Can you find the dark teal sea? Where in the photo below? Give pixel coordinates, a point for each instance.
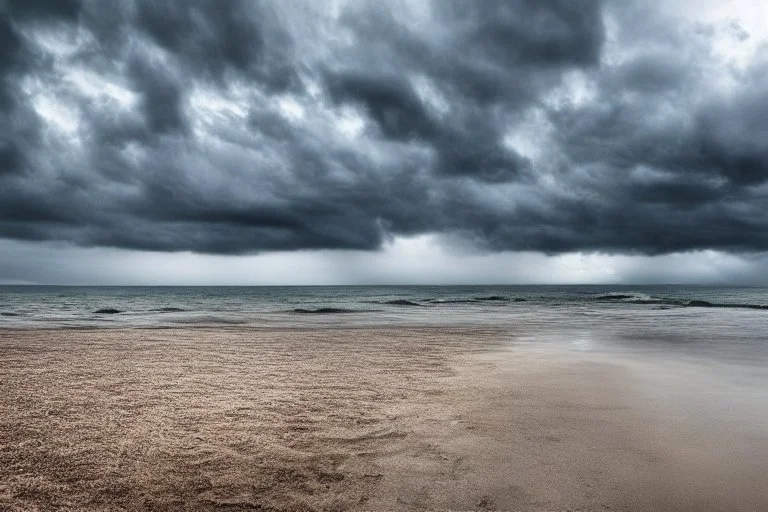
(730, 323)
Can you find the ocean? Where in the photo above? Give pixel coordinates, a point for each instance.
(721, 322)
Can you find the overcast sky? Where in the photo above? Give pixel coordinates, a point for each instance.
(350, 142)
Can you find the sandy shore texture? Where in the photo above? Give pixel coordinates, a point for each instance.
(352, 419)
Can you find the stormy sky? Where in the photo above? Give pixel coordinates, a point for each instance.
(352, 141)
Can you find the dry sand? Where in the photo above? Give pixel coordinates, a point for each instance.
(352, 419)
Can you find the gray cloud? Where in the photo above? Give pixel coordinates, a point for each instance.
(238, 126)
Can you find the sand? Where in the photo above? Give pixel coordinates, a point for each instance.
(355, 419)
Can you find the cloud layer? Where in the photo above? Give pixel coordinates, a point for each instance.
(226, 126)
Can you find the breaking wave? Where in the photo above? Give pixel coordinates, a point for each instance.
(107, 311)
(402, 302)
(396, 302)
(326, 311)
(476, 300)
(707, 304)
(668, 302)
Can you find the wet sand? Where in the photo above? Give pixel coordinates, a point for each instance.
(361, 419)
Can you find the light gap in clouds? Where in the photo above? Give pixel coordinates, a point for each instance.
(419, 260)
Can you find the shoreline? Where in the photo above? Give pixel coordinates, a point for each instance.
(359, 418)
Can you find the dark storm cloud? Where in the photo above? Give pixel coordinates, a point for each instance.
(527, 32)
(43, 10)
(236, 126)
(215, 37)
(390, 101)
(162, 101)
(489, 59)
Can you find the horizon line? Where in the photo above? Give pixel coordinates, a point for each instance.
(367, 285)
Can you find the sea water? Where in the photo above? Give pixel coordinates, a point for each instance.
(717, 322)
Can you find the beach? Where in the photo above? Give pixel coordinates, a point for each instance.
(371, 256)
(427, 418)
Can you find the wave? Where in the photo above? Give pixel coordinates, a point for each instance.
(675, 302)
(668, 302)
(8, 313)
(696, 303)
(476, 300)
(326, 311)
(107, 311)
(707, 304)
(499, 298)
(168, 310)
(402, 302)
(450, 301)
